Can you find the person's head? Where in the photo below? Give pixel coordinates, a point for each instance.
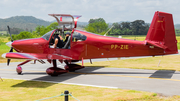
(54, 35)
(68, 34)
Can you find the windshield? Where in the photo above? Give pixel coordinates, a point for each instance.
(47, 35)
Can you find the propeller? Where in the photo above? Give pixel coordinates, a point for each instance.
(11, 50)
(10, 33)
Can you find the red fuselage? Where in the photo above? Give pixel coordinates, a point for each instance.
(95, 46)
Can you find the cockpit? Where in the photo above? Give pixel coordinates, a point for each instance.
(76, 37)
(67, 23)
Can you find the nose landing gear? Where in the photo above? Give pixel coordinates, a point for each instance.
(19, 70)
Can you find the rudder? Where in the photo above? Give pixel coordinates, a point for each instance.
(162, 34)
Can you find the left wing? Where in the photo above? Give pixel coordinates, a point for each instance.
(13, 55)
(33, 56)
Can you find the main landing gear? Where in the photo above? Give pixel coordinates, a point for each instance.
(53, 71)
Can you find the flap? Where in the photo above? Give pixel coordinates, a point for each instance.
(58, 56)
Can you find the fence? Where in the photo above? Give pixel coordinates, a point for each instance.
(66, 96)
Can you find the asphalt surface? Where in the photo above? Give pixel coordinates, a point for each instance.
(158, 81)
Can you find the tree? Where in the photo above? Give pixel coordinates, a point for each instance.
(138, 27)
(22, 35)
(98, 26)
(117, 29)
(96, 20)
(41, 30)
(126, 25)
(52, 26)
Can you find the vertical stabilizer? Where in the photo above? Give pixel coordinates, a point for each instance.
(162, 34)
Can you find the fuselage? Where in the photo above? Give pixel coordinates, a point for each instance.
(93, 46)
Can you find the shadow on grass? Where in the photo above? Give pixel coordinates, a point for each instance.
(33, 84)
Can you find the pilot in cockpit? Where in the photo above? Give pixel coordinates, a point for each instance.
(58, 40)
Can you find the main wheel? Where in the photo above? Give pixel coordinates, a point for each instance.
(19, 70)
(55, 71)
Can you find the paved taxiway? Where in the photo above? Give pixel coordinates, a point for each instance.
(158, 81)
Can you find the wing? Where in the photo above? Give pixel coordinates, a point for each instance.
(13, 55)
(33, 56)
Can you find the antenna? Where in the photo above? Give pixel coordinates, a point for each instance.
(108, 30)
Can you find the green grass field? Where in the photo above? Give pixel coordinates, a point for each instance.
(4, 32)
(4, 49)
(170, 62)
(20, 90)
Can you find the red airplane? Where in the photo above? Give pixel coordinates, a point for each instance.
(160, 40)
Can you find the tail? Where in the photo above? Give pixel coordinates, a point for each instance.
(162, 34)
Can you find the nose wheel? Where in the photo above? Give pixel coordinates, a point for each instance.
(19, 70)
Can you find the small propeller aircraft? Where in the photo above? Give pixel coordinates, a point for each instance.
(160, 40)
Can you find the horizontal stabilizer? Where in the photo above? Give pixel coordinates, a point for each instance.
(156, 44)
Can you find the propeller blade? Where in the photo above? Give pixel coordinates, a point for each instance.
(8, 61)
(10, 33)
(11, 50)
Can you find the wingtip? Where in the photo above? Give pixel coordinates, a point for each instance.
(4, 55)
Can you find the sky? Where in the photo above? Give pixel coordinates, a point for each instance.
(110, 10)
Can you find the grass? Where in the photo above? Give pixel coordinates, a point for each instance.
(138, 37)
(142, 38)
(4, 32)
(4, 49)
(170, 62)
(5, 39)
(20, 90)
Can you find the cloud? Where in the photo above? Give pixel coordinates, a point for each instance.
(110, 10)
